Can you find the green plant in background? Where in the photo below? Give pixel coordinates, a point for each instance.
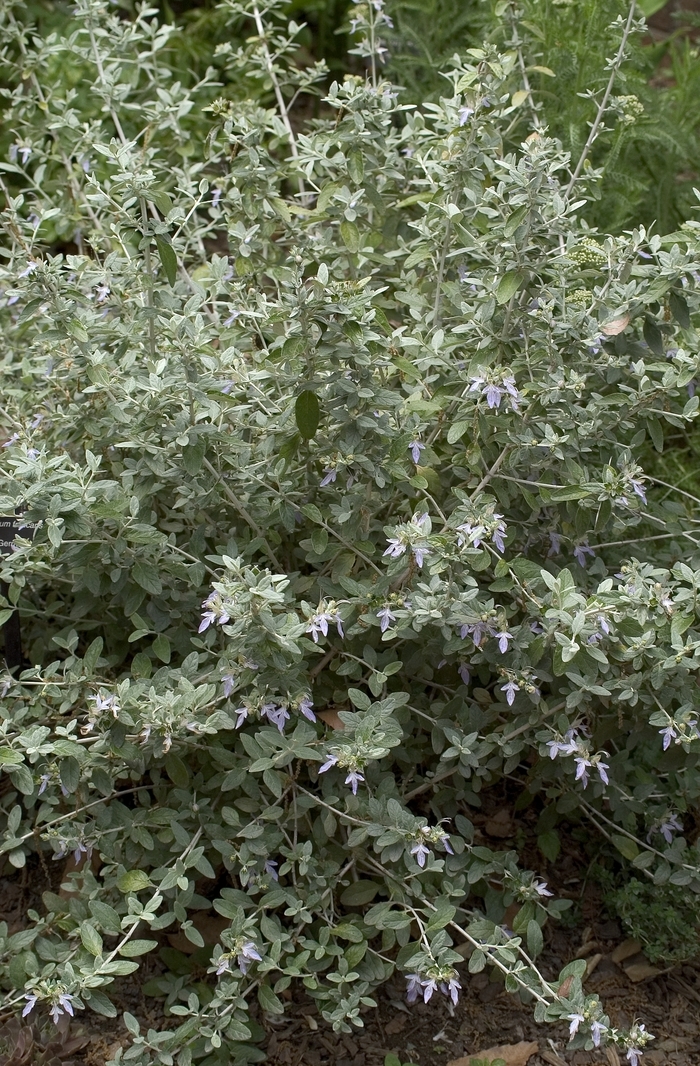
(394, 1060)
(664, 919)
(333, 436)
(649, 152)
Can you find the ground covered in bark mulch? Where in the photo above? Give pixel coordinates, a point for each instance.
(435, 1034)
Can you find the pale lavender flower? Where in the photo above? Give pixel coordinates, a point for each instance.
(498, 534)
(510, 387)
(510, 688)
(465, 114)
(395, 549)
(30, 1005)
(229, 684)
(555, 544)
(78, 853)
(353, 779)
(541, 889)
(581, 551)
(32, 453)
(469, 533)
(232, 318)
(570, 743)
(101, 293)
(634, 1054)
(248, 953)
(582, 764)
(477, 632)
(415, 448)
(494, 395)
(451, 988)
(602, 768)
(639, 489)
(667, 828)
(224, 965)
(318, 623)
(277, 715)
(29, 269)
(669, 734)
(331, 760)
(419, 555)
(242, 713)
(503, 638)
(575, 1020)
(216, 197)
(414, 985)
(445, 841)
(463, 671)
(603, 623)
(421, 853)
(271, 869)
(105, 703)
(305, 706)
(64, 1004)
(429, 987)
(330, 474)
(44, 783)
(208, 619)
(13, 439)
(597, 1030)
(215, 612)
(387, 616)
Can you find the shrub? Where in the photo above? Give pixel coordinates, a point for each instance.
(332, 440)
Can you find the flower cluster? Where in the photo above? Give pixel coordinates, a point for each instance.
(243, 951)
(215, 611)
(411, 535)
(61, 1001)
(345, 760)
(444, 979)
(427, 835)
(494, 387)
(574, 744)
(327, 614)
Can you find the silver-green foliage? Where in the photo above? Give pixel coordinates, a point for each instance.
(341, 421)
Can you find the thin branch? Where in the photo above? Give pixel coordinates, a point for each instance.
(603, 105)
(244, 514)
(284, 113)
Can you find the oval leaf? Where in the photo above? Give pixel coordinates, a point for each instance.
(168, 258)
(133, 881)
(307, 413)
(508, 286)
(358, 893)
(132, 948)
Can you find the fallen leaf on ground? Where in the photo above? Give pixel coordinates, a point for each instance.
(611, 329)
(512, 1054)
(552, 1058)
(396, 1025)
(641, 971)
(331, 718)
(500, 824)
(625, 950)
